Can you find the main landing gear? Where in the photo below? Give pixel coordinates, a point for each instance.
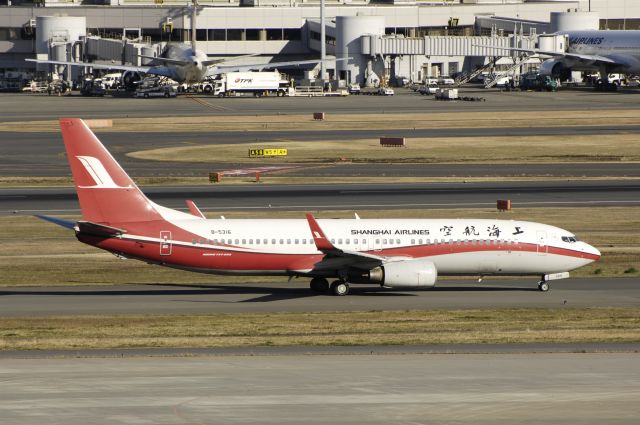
(321, 285)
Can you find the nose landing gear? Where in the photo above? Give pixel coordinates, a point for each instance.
(543, 286)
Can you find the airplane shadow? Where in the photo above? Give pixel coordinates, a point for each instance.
(254, 293)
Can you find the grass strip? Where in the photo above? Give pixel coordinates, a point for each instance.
(498, 326)
(422, 150)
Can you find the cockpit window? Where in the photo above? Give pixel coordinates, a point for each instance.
(570, 239)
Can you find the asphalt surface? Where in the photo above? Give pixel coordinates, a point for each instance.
(297, 297)
(528, 389)
(42, 154)
(20, 107)
(346, 196)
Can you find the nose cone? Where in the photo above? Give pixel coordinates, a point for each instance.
(592, 252)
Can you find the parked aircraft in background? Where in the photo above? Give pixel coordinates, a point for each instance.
(604, 51)
(184, 63)
(119, 218)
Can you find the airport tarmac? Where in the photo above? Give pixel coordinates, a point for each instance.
(495, 389)
(339, 196)
(296, 296)
(20, 107)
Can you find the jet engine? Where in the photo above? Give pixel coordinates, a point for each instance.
(555, 69)
(414, 273)
(129, 80)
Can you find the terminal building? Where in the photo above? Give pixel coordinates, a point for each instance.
(393, 41)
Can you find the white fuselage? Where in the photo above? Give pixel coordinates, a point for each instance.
(454, 246)
(622, 46)
(194, 70)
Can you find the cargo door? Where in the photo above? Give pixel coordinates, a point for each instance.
(542, 242)
(165, 242)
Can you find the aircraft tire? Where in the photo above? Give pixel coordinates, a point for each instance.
(339, 288)
(319, 284)
(543, 286)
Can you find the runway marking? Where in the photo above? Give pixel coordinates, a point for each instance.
(207, 104)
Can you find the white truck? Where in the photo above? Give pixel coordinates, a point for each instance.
(257, 84)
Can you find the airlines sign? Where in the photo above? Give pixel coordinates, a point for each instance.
(262, 152)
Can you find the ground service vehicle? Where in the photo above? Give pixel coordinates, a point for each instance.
(533, 81)
(253, 83)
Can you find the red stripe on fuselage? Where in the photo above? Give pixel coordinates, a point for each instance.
(186, 254)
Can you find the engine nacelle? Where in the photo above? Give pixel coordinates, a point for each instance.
(555, 68)
(130, 79)
(416, 273)
(409, 274)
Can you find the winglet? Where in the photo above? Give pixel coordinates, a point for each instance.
(193, 209)
(321, 241)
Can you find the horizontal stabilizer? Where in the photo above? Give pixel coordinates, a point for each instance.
(59, 221)
(96, 229)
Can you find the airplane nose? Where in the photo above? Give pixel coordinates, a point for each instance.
(594, 252)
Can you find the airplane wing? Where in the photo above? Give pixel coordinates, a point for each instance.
(217, 61)
(165, 60)
(589, 59)
(259, 67)
(355, 258)
(144, 69)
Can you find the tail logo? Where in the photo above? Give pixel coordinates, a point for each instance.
(98, 173)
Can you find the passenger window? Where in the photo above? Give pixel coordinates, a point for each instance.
(304, 242)
(281, 241)
(288, 241)
(257, 241)
(340, 241)
(273, 241)
(244, 241)
(297, 241)
(347, 241)
(398, 241)
(413, 241)
(250, 241)
(384, 242)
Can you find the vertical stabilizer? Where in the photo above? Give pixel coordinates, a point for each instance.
(105, 191)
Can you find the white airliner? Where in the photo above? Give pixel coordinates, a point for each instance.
(604, 51)
(394, 253)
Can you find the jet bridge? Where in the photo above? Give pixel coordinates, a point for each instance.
(420, 57)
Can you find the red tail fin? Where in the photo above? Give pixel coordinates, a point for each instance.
(106, 193)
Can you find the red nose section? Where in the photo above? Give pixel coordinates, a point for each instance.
(105, 191)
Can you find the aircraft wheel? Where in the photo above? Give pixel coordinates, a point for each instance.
(319, 284)
(340, 288)
(543, 286)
